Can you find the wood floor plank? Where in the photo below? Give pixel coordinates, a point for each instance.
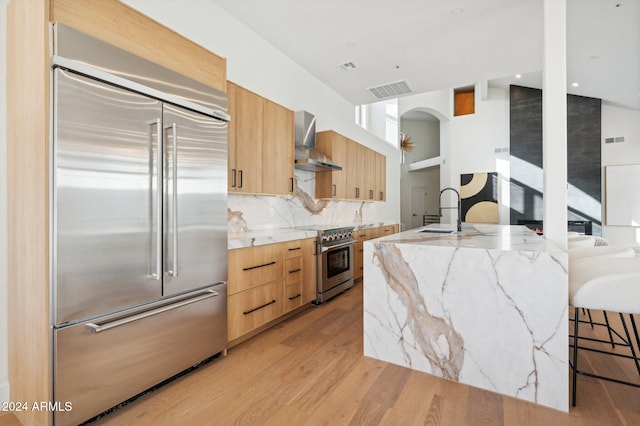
(347, 395)
(484, 408)
(412, 405)
(388, 386)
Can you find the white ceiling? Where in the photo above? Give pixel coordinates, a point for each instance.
(437, 44)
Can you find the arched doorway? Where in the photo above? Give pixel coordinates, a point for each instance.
(420, 171)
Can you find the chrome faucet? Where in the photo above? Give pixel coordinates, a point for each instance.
(457, 207)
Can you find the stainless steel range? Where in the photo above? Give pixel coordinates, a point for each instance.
(335, 261)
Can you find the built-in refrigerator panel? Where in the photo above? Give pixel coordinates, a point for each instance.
(195, 204)
(103, 362)
(105, 189)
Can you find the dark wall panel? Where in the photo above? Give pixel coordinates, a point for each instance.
(583, 156)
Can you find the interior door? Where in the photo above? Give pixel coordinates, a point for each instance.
(195, 202)
(418, 206)
(105, 151)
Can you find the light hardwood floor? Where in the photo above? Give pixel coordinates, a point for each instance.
(309, 370)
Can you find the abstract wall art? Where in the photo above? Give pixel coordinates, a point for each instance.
(479, 197)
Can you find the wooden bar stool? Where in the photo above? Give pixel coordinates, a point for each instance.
(607, 284)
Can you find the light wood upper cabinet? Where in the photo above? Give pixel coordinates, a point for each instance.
(245, 141)
(332, 184)
(381, 177)
(122, 26)
(361, 159)
(277, 149)
(260, 144)
(363, 174)
(350, 169)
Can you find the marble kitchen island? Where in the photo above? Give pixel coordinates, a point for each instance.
(486, 307)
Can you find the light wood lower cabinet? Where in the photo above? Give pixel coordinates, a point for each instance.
(265, 282)
(253, 266)
(252, 308)
(362, 235)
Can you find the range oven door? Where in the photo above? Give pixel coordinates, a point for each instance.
(336, 266)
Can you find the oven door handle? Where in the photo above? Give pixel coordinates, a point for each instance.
(327, 248)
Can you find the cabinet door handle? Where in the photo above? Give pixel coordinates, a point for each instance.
(295, 270)
(233, 178)
(240, 173)
(259, 266)
(295, 297)
(294, 248)
(371, 194)
(259, 307)
(291, 182)
(334, 189)
(381, 195)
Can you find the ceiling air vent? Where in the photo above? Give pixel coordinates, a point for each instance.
(347, 66)
(390, 89)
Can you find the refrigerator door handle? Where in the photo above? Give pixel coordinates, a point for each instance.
(158, 254)
(173, 272)
(98, 328)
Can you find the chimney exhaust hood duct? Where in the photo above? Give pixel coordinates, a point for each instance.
(307, 158)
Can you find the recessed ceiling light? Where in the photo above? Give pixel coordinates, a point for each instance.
(575, 84)
(457, 11)
(518, 75)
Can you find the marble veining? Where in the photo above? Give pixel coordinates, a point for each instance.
(487, 307)
(262, 212)
(435, 336)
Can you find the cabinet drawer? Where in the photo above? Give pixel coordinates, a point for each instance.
(388, 230)
(293, 270)
(252, 308)
(292, 296)
(293, 248)
(254, 266)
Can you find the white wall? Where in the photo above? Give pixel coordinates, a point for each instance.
(618, 121)
(475, 137)
(468, 142)
(255, 64)
(4, 363)
(425, 136)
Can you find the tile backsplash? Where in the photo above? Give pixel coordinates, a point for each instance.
(259, 212)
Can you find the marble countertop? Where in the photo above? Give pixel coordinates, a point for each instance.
(237, 240)
(481, 236)
(267, 236)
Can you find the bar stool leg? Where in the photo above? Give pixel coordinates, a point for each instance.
(606, 320)
(633, 351)
(635, 330)
(575, 355)
(589, 314)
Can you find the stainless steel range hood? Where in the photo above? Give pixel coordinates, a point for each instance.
(307, 158)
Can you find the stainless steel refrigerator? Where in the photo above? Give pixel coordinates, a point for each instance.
(139, 215)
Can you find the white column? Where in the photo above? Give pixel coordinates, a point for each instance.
(554, 119)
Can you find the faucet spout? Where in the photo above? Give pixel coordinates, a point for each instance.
(459, 221)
